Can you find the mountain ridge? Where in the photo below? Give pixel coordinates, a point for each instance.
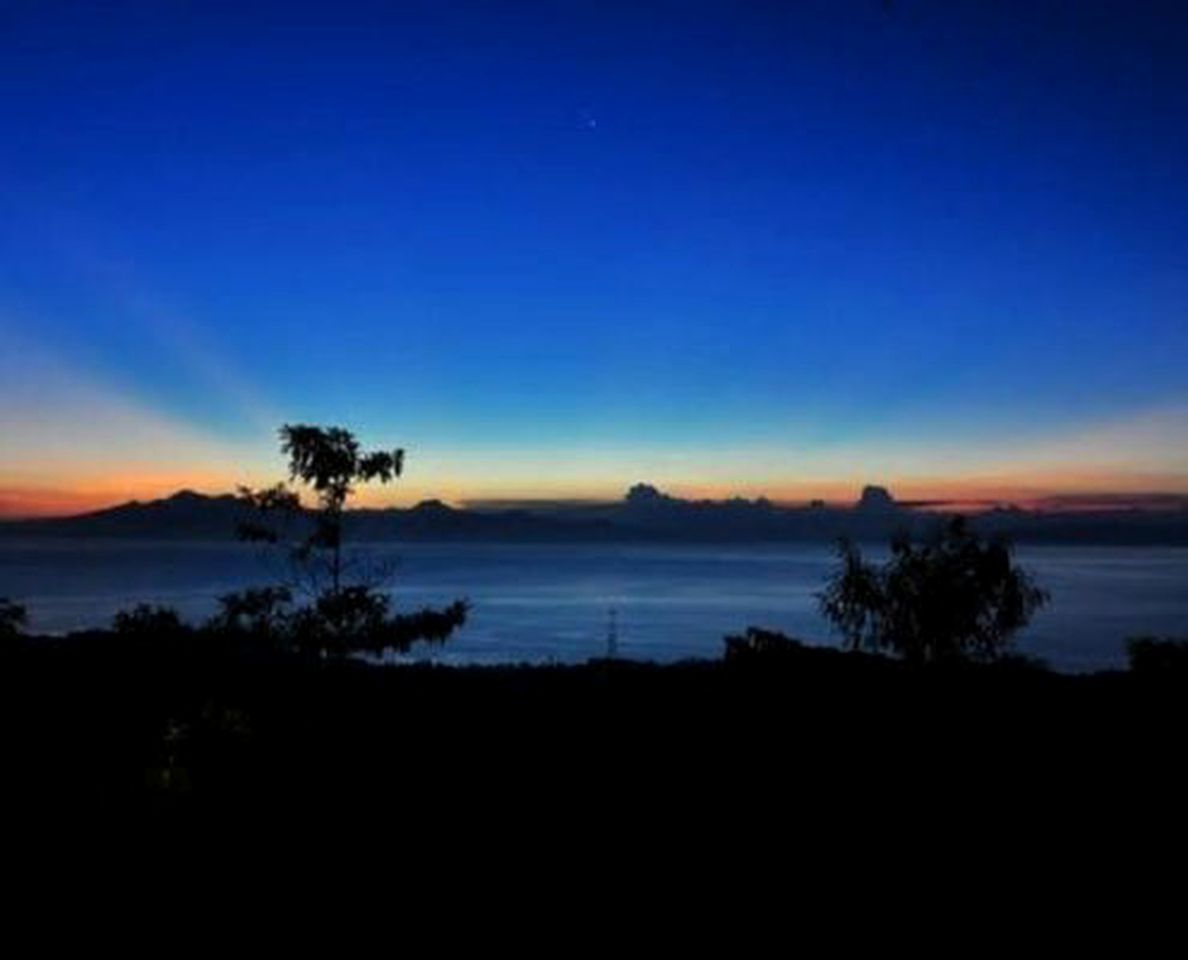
(645, 513)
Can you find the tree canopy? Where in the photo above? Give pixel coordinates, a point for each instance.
(12, 618)
(954, 596)
(347, 611)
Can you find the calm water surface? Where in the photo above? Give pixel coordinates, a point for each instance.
(552, 602)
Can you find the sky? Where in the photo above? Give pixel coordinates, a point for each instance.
(553, 249)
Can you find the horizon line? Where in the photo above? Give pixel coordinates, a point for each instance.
(11, 501)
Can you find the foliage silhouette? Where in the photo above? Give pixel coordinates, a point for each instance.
(358, 619)
(1158, 656)
(346, 611)
(147, 621)
(232, 725)
(951, 597)
(262, 612)
(758, 644)
(13, 618)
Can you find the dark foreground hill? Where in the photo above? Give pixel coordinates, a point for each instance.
(195, 723)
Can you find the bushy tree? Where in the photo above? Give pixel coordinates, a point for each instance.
(346, 610)
(358, 618)
(1158, 656)
(146, 620)
(757, 644)
(12, 618)
(261, 612)
(953, 596)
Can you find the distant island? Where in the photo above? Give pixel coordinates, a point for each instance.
(644, 514)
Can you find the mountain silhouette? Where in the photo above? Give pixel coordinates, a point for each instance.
(645, 513)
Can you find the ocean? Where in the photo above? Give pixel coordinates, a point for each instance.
(544, 603)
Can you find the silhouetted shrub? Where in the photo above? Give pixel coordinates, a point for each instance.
(760, 644)
(147, 620)
(1157, 655)
(358, 619)
(951, 597)
(1022, 663)
(262, 612)
(426, 625)
(13, 618)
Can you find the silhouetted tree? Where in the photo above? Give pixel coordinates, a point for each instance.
(12, 618)
(1158, 656)
(952, 597)
(341, 616)
(330, 462)
(262, 612)
(759, 644)
(146, 620)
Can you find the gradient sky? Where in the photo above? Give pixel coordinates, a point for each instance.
(556, 248)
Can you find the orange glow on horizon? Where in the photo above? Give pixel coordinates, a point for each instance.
(32, 500)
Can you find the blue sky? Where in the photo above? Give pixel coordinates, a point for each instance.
(554, 248)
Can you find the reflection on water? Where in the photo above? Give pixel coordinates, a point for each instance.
(552, 602)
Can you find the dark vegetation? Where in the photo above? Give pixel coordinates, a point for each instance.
(951, 597)
(346, 609)
(12, 618)
(169, 717)
(267, 706)
(1158, 657)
